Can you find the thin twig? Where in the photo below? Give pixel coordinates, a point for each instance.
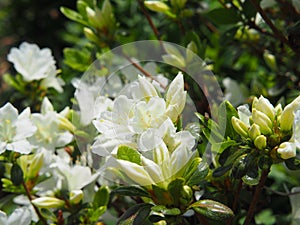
(279, 35)
(143, 71)
(256, 195)
(236, 199)
(35, 208)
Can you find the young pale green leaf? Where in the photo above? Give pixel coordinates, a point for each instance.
(212, 209)
(129, 154)
(77, 59)
(101, 197)
(16, 175)
(73, 15)
(131, 191)
(96, 213)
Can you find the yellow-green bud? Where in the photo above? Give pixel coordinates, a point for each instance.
(157, 6)
(186, 195)
(278, 110)
(254, 131)
(260, 142)
(35, 165)
(266, 107)
(76, 196)
(263, 121)
(65, 124)
(270, 60)
(48, 202)
(254, 102)
(239, 126)
(287, 116)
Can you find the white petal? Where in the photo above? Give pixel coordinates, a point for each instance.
(135, 172)
(46, 106)
(244, 114)
(9, 112)
(153, 170)
(287, 150)
(21, 146)
(20, 216)
(3, 218)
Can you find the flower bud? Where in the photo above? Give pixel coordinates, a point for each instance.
(65, 124)
(175, 97)
(287, 117)
(186, 195)
(254, 131)
(263, 121)
(266, 107)
(260, 142)
(157, 6)
(278, 110)
(287, 150)
(35, 165)
(48, 202)
(270, 60)
(76, 196)
(239, 126)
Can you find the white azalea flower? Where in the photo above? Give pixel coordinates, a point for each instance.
(18, 216)
(15, 129)
(135, 112)
(34, 63)
(49, 136)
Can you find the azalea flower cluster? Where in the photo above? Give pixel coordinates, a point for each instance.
(140, 122)
(270, 128)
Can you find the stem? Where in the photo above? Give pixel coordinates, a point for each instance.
(43, 220)
(258, 190)
(202, 219)
(236, 198)
(143, 71)
(277, 33)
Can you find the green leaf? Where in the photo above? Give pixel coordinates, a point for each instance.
(132, 217)
(131, 191)
(16, 175)
(96, 213)
(77, 59)
(220, 171)
(73, 15)
(292, 163)
(212, 209)
(162, 196)
(129, 154)
(198, 175)
(222, 16)
(174, 188)
(166, 211)
(249, 10)
(101, 197)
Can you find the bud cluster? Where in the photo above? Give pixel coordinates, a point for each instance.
(269, 127)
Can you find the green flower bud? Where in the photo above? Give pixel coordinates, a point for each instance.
(239, 126)
(254, 131)
(157, 6)
(278, 110)
(76, 196)
(263, 121)
(270, 60)
(48, 202)
(260, 142)
(35, 165)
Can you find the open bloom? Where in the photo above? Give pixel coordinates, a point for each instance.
(15, 129)
(138, 109)
(34, 63)
(18, 216)
(49, 135)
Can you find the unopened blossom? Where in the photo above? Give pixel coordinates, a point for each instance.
(15, 129)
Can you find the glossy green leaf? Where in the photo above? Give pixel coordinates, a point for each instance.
(175, 188)
(166, 211)
(131, 191)
(16, 175)
(129, 217)
(212, 209)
